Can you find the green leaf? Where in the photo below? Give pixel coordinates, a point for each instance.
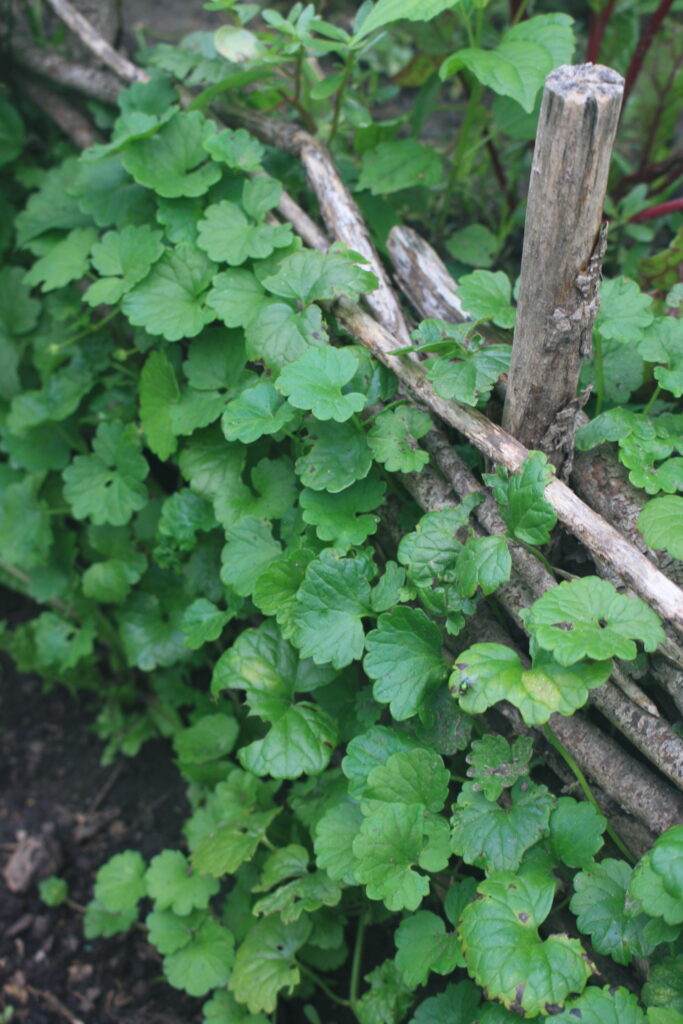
(521, 499)
(151, 634)
(404, 659)
(236, 832)
(487, 673)
(527, 973)
(172, 884)
(169, 932)
(236, 297)
(257, 411)
(107, 486)
(25, 524)
(483, 564)
(110, 581)
(600, 905)
(51, 207)
(333, 841)
(310, 276)
(664, 986)
(576, 831)
(331, 603)
(495, 765)
(120, 883)
(173, 162)
(475, 245)
(227, 235)
(314, 381)
(457, 1004)
(203, 622)
(205, 962)
(18, 311)
(64, 261)
(249, 549)
(658, 877)
(393, 439)
(661, 524)
(495, 837)
(279, 334)
(625, 311)
(387, 999)
(424, 945)
(12, 131)
(416, 776)
(238, 149)
(276, 587)
(487, 296)
(588, 618)
(223, 1008)
(171, 300)
(207, 739)
(55, 401)
(158, 392)
(386, 11)
(664, 344)
(430, 551)
(392, 166)
(265, 963)
(470, 379)
(305, 893)
(369, 749)
(604, 1006)
(338, 457)
(342, 518)
(99, 922)
(122, 258)
(53, 891)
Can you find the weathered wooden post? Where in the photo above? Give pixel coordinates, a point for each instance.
(563, 247)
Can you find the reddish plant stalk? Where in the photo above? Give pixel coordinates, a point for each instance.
(672, 206)
(643, 46)
(598, 24)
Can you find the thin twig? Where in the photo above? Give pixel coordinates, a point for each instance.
(75, 125)
(91, 82)
(91, 38)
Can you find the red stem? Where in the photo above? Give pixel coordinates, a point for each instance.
(598, 24)
(643, 46)
(672, 206)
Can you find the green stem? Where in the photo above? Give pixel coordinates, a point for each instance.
(599, 372)
(323, 986)
(587, 791)
(653, 398)
(268, 845)
(536, 553)
(463, 146)
(90, 329)
(340, 96)
(357, 960)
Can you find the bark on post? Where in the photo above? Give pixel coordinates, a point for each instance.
(558, 295)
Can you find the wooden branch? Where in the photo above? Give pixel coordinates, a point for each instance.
(75, 125)
(562, 255)
(81, 27)
(423, 277)
(97, 85)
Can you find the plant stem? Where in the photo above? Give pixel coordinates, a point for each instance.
(322, 986)
(653, 398)
(340, 96)
(587, 791)
(643, 46)
(90, 329)
(463, 145)
(660, 210)
(598, 24)
(357, 960)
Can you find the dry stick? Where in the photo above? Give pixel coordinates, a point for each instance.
(90, 37)
(562, 255)
(97, 85)
(639, 791)
(75, 125)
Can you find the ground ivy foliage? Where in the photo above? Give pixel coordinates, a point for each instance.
(197, 469)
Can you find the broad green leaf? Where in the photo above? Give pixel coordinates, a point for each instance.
(404, 659)
(664, 986)
(475, 245)
(236, 297)
(495, 765)
(390, 588)
(600, 905)
(98, 922)
(183, 515)
(523, 507)
(110, 581)
(331, 604)
(105, 193)
(664, 344)
(310, 276)
(204, 963)
(576, 831)
(25, 524)
(487, 673)
(180, 218)
(233, 840)
(60, 642)
(265, 963)
(238, 149)
(528, 973)
(588, 618)
(369, 749)
(658, 888)
(302, 895)
(483, 564)
(339, 456)
(393, 439)
(470, 379)
(386, 11)
(122, 259)
(223, 1008)
(158, 392)
(169, 932)
(457, 1004)
(203, 622)
(408, 777)
(661, 524)
(604, 1006)
(387, 999)
(54, 402)
(495, 837)
(279, 334)
(260, 195)
(207, 739)
(228, 236)
(392, 166)
(276, 587)
(120, 883)
(18, 311)
(333, 841)
(430, 551)
(151, 634)
(625, 311)
(666, 860)
(343, 519)
(300, 742)
(315, 381)
(423, 945)
(107, 486)
(258, 410)
(172, 884)
(623, 371)
(12, 131)
(174, 161)
(388, 849)
(171, 299)
(487, 296)
(64, 261)
(51, 207)
(249, 549)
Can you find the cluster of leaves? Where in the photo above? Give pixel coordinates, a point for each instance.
(195, 466)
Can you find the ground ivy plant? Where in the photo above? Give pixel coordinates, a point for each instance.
(198, 467)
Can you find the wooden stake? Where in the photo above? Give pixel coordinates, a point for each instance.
(563, 248)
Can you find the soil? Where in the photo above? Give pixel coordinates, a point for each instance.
(62, 813)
